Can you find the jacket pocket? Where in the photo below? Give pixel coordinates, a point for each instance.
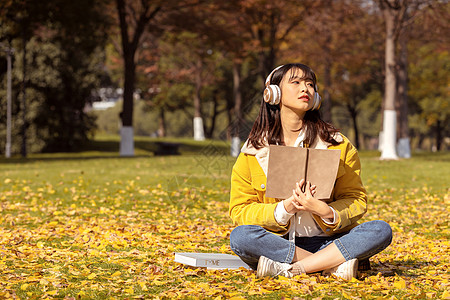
(259, 182)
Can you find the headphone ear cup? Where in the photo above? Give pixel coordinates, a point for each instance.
(272, 94)
(317, 101)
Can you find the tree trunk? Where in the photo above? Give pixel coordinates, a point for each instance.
(404, 148)
(129, 47)
(161, 123)
(229, 129)
(8, 102)
(353, 114)
(199, 131)
(380, 134)
(326, 105)
(326, 98)
(237, 95)
(267, 39)
(210, 130)
(24, 98)
(438, 135)
(126, 116)
(127, 108)
(127, 135)
(198, 88)
(389, 114)
(420, 141)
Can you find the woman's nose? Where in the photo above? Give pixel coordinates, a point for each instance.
(303, 87)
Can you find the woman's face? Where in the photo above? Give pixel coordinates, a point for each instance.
(297, 91)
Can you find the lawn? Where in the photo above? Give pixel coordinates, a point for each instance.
(92, 225)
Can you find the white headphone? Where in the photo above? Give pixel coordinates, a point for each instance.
(272, 93)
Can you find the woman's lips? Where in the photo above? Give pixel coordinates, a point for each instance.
(304, 98)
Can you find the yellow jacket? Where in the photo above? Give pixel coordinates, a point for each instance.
(250, 206)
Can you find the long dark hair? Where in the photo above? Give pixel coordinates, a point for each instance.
(267, 127)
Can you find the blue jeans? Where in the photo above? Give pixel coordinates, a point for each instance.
(250, 242)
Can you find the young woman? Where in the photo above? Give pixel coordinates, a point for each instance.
(300, 234)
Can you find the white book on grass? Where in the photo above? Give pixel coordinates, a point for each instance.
(211, 260)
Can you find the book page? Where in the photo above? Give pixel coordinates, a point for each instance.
(322, 170)
(286, 167)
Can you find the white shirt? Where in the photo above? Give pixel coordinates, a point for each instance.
(303, 223)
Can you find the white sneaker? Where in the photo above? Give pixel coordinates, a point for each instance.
(347, 270)
(268, 267)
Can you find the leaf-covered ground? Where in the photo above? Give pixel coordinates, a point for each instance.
(107, 227)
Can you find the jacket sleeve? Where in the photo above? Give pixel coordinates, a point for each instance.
(248, 205)
(349, 195)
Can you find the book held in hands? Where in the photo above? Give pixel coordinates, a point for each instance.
(288, 165)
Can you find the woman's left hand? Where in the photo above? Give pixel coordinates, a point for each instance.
(305, 201)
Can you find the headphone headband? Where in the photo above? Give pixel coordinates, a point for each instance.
(269, 77)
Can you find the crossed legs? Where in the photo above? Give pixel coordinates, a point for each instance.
(250, 242)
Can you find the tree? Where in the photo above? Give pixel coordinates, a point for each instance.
(63, 53)
(191, 68)
(403, 144)
(197, 47)
(16, 20)
(430, 77)
(345, 58)
(262, 28)
(392, 13)
(429, 69)
(134, 17)
(399, 15)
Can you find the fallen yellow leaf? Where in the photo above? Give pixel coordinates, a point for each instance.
(400, 284)
(117, 273)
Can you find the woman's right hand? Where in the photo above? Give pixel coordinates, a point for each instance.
(292, 206)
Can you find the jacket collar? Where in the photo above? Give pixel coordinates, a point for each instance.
(262, 154)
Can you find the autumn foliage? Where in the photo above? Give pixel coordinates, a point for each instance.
(103, 228)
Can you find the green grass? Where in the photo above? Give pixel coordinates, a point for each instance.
(95, 225)
(423, 169)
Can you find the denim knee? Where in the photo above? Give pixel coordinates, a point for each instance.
(384, 232)
(239, 238)
(365, 240)
(236, 238)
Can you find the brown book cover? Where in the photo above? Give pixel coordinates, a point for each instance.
(288, 165)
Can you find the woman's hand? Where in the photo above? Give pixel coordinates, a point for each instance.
(305, 201)
(291, 205)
